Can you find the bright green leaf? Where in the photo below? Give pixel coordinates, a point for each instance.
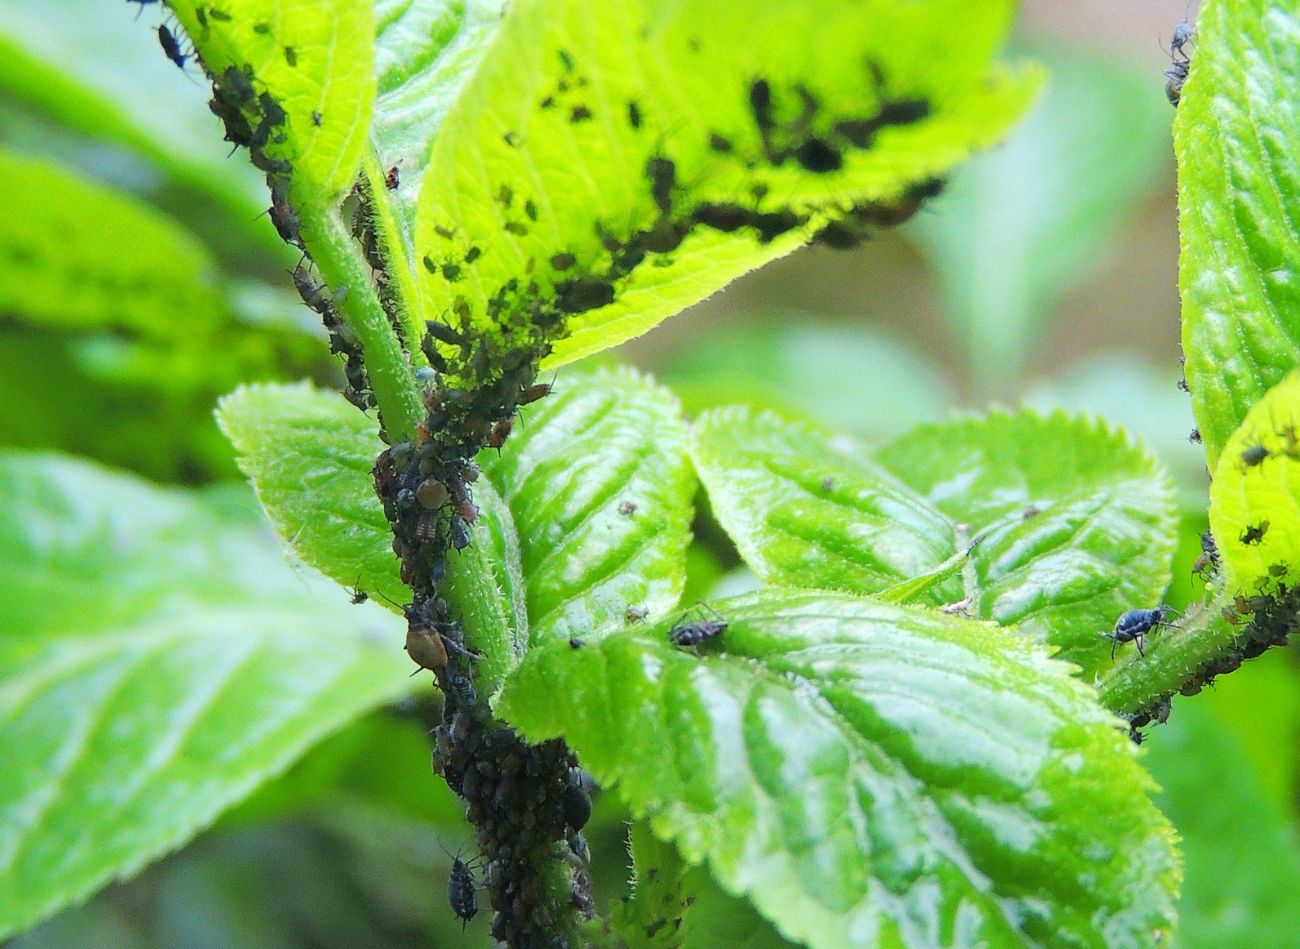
(1020, 226)
(807, 512)
(424, 54)
(309, 456)
(600, 484)
(1238, 203)
(1255, 495)
(315, 59)
(76, 255)
(542, 197)
(159, 662)
(1075, 518)
(869, 774)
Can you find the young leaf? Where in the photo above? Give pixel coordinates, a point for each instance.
(424, 54)
(806, 514)
(76, 255)
(314, 58)
(1255, 495)
(1075, 519)
(599, 481)
(1238, 200)
(609, 165)
(159, 663)
(870, 774)
(309, 456)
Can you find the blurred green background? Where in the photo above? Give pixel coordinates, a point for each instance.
(1046, 274)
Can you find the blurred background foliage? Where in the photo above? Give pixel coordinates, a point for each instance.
(1045, 274)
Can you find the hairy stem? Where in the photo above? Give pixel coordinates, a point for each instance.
(354, 296)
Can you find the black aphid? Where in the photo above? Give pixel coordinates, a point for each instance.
(171, 46)
(696, 632)
(1254, 533)
(1133, 626)
(461, 891)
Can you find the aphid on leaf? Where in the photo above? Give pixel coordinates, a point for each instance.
(1254, 455)
(1254, 533)
(171, 46)
(1133, 626)
(697, 632)
(636, 614)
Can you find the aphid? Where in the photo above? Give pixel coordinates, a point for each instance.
(636, 614)
(828, 484)
(634, 115)
(723, 217)
(171, 46)
(1194, 436)
(518, 228)
(576, 643)
(426, 648)
(1184, 34)
(563, 261)
(534, 392)
(1208, 561)
(627, 508)
(359, 595)
(461, 887)
(500, 432)
(697, 632)
(1180, 61)
(1254, 533)
(1030, 512)
(392, 178)
(472, 254)
(662, 173)
(581, 294)
(442, 331)
(262, 29)
(1133, 626)
(316, 118)
(818, 156)
(718, 143)
(579, 113)
(290, 57)
(1253, 455)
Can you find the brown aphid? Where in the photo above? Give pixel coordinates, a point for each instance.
(426, 648)
(393, 177)
(500, 432)
(534, 392)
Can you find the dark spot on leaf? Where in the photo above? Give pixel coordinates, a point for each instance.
(579, 113)
(472, 254)
(583, 293)
(563, 261)
(518, 228)
(818, 156)
(530, 209)
(451, 271)
(718, 143)
(634, 115)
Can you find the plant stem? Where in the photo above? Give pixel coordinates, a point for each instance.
(387, 364)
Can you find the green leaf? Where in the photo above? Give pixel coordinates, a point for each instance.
(76, 255)
(1076, 520)
(159, 663)
(315, 59)
(1238, 201)
(1020, 226)
(309, 455)
(1242, 850)
(600, 484)
(1255, 495)
(870, 774)
(424, 54)
(550, 145)
(805, 511)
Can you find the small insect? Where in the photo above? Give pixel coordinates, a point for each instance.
(576, 643)
(534, 392)
(290, 57)
(1253, 456)
(1133, 626)
(392, 178)
(461, 894)
(627, 508)
(1194, 436)
(171, 46)
(636, 613)
(697, 632)
(1208, 562)
(500, 432)
(1180, 60)
(1030, 512)
(316, 118)
(359, 595)
(1254, 533)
